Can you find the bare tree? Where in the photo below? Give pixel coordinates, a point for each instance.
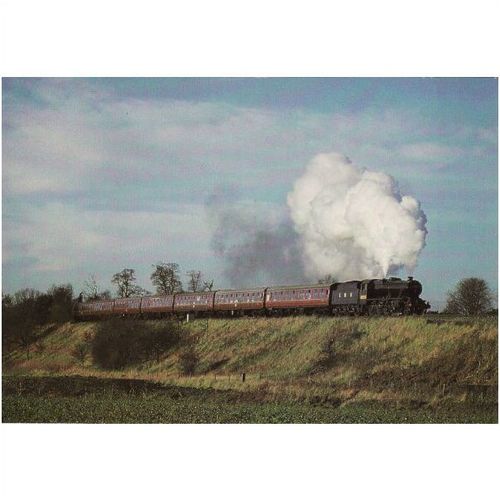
(208, 286)
(26, 295)
(471, 296)
(124, 280)
(91, 288)
(165, 278)
(194, 281)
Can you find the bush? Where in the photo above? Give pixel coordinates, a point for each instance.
(119, 343)
(28, 309)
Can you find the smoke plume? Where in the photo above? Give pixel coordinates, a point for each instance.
(257, 245)
(342, 221)
(354, 223)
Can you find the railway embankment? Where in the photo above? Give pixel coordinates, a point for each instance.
(406, 362)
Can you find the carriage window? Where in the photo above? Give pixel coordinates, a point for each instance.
(350, 295)
(345, 294)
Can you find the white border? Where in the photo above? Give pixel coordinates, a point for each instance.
(223, 38)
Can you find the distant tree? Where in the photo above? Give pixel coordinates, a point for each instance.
(194, 281)
(28, 309)
(471, 296)
(32, 305)
(61, 308)
(91, 288)
(326, 280)
(26, 296)
(7, 300)
(125, 283)
(165, 278)
(21, 313)
(208, 286)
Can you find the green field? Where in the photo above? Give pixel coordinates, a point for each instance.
(297, 370)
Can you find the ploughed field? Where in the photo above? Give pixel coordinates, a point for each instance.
(297, 370)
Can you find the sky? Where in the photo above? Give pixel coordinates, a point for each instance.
(102, 174)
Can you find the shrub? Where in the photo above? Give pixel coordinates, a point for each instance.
(118, 343)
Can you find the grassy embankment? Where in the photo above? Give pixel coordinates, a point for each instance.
(298, 369)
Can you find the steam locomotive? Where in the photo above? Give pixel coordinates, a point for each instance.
(391, 296)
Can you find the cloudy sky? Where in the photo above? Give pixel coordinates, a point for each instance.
(102, 174)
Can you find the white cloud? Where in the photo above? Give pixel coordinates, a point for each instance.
(86, 138)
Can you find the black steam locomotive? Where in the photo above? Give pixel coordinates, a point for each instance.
(391, 296)
(378, 297)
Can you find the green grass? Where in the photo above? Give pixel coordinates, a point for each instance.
(304, 368)
(88, 400)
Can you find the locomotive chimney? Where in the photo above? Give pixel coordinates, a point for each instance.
(410, 278)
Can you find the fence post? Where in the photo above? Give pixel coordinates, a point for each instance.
(243, 377)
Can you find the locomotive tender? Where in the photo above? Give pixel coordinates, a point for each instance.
(391, 296)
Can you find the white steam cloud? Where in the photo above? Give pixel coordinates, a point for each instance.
(354, 223)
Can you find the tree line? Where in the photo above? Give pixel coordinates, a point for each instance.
(26, 310)
(165, 278)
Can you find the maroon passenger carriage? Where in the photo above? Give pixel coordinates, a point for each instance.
(130, 306)
(157, 306)
(195, 302)
(239, 302)
(305, 298)
(93, 310)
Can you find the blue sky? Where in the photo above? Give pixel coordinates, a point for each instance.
(101, 174)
